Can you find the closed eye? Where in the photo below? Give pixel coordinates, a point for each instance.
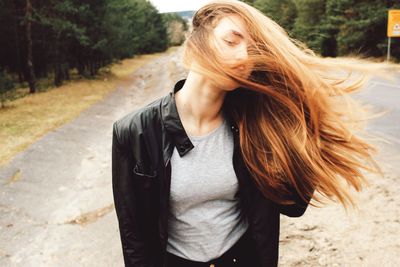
(229, 42)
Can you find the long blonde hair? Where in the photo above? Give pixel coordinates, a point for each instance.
(296, 120)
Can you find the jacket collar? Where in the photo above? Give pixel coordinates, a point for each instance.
(173, 124)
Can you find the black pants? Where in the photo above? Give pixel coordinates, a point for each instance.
(241, 254)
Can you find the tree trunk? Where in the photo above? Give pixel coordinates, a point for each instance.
(58, 80)
(81, 69)
(28, 25)
(58, 73)
(91, 68)
(66, 71)
(17, 43)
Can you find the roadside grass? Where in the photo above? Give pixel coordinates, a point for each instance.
(26, 119)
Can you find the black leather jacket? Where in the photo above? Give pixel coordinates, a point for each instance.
(142, 145)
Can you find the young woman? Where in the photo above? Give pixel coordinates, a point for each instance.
(201, 175)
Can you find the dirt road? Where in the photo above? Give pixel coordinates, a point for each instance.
(56, 199)
(56, 206)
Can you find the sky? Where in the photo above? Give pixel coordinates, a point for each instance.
(177, 5)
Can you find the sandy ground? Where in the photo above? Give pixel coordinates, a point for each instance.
(58, 208)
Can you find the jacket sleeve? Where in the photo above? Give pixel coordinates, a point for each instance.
(133, 242)
(298, 208)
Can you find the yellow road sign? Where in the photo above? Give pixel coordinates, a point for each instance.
(393, 29)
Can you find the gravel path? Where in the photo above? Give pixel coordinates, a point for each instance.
(56, 201)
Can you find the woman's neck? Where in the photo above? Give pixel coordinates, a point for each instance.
(199, 104)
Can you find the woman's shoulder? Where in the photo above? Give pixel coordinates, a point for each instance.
(136, 121)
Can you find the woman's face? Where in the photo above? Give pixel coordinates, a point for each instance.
(232, 42)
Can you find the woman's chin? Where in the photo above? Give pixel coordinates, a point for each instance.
(226, 86)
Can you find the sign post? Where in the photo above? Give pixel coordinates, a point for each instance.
(393, 29)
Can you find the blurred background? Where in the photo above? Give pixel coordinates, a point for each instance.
(69, 69)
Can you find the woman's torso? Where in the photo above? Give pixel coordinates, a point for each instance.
(205, 219)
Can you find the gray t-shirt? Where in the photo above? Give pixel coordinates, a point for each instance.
(204, 220)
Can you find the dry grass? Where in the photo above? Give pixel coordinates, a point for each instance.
(26, 119)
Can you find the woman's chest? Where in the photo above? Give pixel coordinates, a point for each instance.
(205, 173)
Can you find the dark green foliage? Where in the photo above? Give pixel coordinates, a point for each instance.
(283, 11)
(364, 26)
(308, 25)
(335, 27)
(135, 27)
(81, 34)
